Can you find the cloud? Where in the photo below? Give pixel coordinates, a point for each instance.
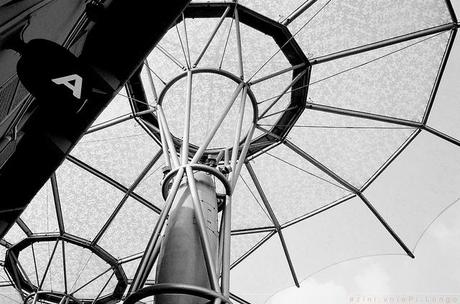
(311, 291)
(373, 279)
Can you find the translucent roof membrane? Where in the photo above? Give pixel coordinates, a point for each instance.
(353, 148)
(304, 187)
(14, 235)
(42, 206)
(9, 295)
(248, 209)
(129, 232)
(312, 243)
(109, 151)
(87, 201)
(393, 81)
(355, 155)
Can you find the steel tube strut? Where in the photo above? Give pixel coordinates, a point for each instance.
(434, 91)
(383, 43)
(48, 265)
(208, 254)
(142, 270)
(24, 227)
(213, 34)
(442, 135)
(57, 203)
(116, 121)
(64, 267)
(274, 219)
(306, 5)
(254, 248)
(103, 288)
(451, 10)
(321, 166)
(386, 226)
(391, 159)
(294, 67)
(242, 157)
(188, 110)
(293, 82)
(227, 213)
(152, 84)
(226, 218)
(208, 139)
(112, 182)
(168, 136)
(127, 194)
(364, 115)
(238, 42)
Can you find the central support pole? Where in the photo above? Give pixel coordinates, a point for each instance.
(181, 258)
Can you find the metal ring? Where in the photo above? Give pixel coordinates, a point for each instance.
(52, 294)
(197, 167)
(174, 288)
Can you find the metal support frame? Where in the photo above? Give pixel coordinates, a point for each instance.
(182, 170)
(281, 36)
(26, 287)
(171, 288)
(183, 157)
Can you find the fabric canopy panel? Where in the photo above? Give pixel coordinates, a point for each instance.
(355, 152)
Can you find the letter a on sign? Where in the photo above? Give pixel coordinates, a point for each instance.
(68, 80)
